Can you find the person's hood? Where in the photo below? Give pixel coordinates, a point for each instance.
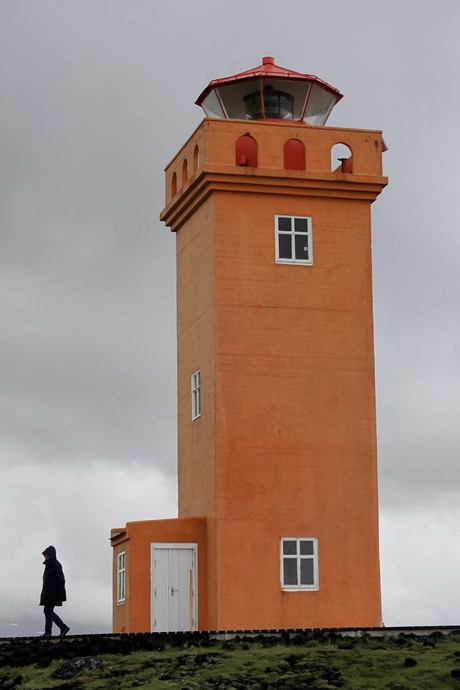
(50, 551)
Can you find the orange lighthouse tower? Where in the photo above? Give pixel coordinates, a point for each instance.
(277, 469)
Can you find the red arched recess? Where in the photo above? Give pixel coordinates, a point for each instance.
(246, 151)
(294, 155)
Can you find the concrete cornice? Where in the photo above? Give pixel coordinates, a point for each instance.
(267, 181)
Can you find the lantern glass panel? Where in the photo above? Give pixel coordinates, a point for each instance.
(211, 106)
(232, 97)
(319, 105)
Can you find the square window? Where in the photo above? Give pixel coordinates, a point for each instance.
(293, 240)
(299, 563)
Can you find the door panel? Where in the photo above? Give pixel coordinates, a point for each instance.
(161, 589)
(173, 587)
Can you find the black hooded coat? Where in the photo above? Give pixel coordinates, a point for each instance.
(53, 591)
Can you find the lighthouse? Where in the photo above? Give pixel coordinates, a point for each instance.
(277, 467)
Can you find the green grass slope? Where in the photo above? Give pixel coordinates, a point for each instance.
(406, 662)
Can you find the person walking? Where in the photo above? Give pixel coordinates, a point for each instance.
(53, 592)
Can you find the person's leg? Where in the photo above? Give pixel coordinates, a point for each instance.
(61, 625)
(48, 611)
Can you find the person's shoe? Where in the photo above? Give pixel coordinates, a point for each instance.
(46, 635)
(64, 631)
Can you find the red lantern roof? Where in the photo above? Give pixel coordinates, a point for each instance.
(269, 70)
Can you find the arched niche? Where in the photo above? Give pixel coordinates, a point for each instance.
(341, 158)
(294, 155)
(246, 151)
(184, 171)
(196, 158)
(174, 184)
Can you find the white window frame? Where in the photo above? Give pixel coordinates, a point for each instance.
(195, 382)
(298, 557)
(121, 577)
(294, 233)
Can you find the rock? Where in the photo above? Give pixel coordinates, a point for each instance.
(409, 661)
(292, 660)
(44, 661)
(71, 668)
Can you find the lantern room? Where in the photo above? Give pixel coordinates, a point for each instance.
(270, 92)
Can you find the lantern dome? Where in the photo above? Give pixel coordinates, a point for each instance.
(270, 92)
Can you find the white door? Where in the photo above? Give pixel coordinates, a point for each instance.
(174, 599)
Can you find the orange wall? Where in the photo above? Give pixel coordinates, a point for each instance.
(295, 419)
(196, 344)
(286, 443)
(134, 614)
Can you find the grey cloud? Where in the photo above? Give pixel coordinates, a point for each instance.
(96, 99)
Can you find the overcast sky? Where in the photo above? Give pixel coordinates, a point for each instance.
(96, 98)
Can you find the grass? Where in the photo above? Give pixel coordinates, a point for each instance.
(384, 663)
